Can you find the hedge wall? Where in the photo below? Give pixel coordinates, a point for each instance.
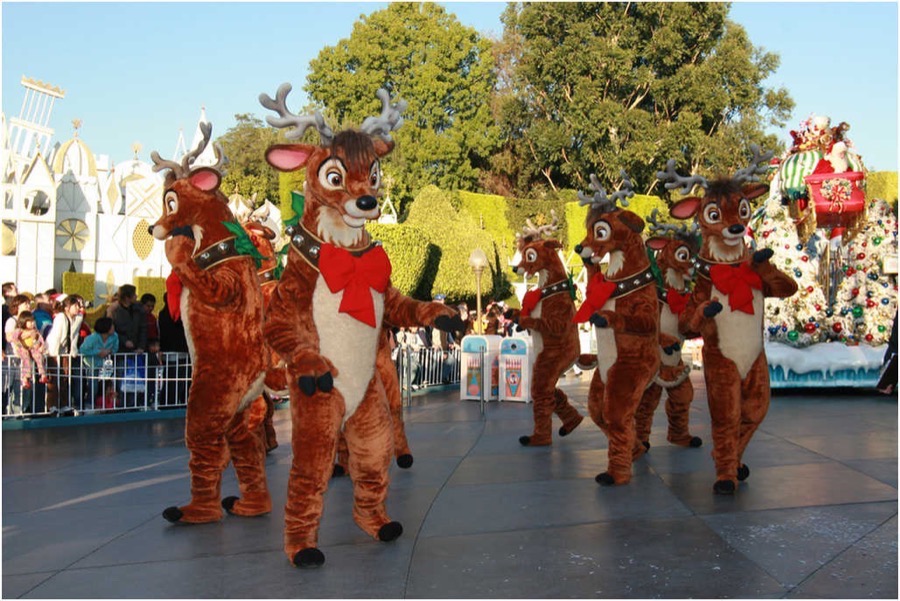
(287, 182)
(414, 258)
(489, 212)
(81, 284)
(883, 185)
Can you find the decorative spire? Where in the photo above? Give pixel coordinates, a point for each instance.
(76, 123)
(136, 148)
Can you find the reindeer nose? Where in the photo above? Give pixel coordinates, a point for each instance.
(515, 270)
(150, 229)
(736, 229)
(366, 203)
(578, 248)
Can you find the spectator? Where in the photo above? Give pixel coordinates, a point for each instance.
(173, 345)
(62, 346)
(96, 349)
(130, 321)
(493, 325)
(29, 345)
(42, 316)
(17, 305)
(409, 339)
(13, 395)
(149, 302)
(9, 292)
(112, 304)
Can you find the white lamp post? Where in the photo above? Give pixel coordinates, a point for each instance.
(478, 261)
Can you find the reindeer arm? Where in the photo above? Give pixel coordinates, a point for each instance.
(404, 312)
(289, 327)
(776, 284)
(218, 287)
(555, 319)
(691, 317)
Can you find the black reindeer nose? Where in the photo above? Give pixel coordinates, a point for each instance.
(737, 228)
(578, 249)
(150, 229)
(366, 203)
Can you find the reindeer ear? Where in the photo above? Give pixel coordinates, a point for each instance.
(289, 157)
(632, 221)
(657, 243)
(205, 179)
(382, 147)
(686, 208)
(751, 191)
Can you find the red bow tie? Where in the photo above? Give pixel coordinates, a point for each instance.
(598, 292)
(355, 276)
(738, 283)
(676, 300)
(173, 295)
(530, 301)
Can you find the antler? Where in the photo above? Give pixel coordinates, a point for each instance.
(750, 172)
(183, 169)
(221, 159)
(672, 180)
(664, 229)
(389, 119)
(289, 119)
(605, 203)
(532, 232)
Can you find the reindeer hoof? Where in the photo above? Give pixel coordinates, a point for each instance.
(723, 487)
(405, 461)
(743, 473)
(604, 479)
(524, 440)
(172, 514)
(338, 471)
(646, 445)
(390, 531)
(309, 558)
(228, 503)
(307, 385)
(325, 382)
(712, 309)
(763, 255)
(696, 441)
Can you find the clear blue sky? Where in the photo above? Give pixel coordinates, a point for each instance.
(139, 72)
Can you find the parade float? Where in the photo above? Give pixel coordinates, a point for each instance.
(842, 250)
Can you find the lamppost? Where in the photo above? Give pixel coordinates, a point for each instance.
(478, 261)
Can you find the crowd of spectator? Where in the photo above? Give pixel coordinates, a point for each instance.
(55, 348)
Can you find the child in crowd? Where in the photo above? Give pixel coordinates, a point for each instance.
(96, 349)
(29, 345)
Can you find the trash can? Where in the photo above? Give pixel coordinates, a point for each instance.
(471, 378)
(515, 369)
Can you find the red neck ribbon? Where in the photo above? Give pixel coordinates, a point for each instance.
(738, 283)
(530, 301)
(173, 295)
(676, 300)
(598, 292)
(355, 276)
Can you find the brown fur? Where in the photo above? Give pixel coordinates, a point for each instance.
(222, 310)
(737, 402)
(632, 330)
(553, 330)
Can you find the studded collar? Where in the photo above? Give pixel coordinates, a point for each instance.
(628, 285)
(308, 245)
(561, 286)
(219, 252)
(703, 266)
(267, 276)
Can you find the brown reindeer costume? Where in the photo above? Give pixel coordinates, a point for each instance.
(548, 311)
(325, 321)
(222, 310)
(675, 248)
(726, 308)
(623, 310)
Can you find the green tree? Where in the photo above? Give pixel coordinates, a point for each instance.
(247, 172)
(421, 54)
(600, 87)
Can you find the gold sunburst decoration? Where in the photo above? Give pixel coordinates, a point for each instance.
(72, 234)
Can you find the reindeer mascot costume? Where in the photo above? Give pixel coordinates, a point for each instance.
(222, 309)
(548, 311)
(675, 248)
(622, 307)
(325, 321)
(726, 308)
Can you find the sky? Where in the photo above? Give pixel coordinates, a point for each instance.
(139, 72)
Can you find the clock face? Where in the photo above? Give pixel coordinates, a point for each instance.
(72, 234)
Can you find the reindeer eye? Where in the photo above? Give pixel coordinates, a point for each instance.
(711, 214)
(375, 175)
(171, 202)
(601, 230)
(682, 254)
(531, 255)
(744, 209)
(332, 174)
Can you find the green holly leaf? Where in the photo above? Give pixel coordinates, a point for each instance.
(243, 244)
(298, 202)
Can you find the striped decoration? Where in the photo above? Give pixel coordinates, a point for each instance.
(797, 166)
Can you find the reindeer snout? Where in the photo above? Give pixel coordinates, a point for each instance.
(150, 229)
(577, 249)
(737, 229)
(366, 203)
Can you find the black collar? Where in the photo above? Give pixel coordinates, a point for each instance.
(628, 285)
(219, 252)
(308, 245)
(703, 266)
(561, 286)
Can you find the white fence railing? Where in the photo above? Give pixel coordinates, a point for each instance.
(150, 382)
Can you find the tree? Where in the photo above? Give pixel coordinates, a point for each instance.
(423, 55)
(600, 87)
(247, 172)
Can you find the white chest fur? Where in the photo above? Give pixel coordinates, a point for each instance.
(607, 354)
(740, 334)
(347, 342)
(537, 340)
(668, 324)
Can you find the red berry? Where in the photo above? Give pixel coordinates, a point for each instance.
(837, 327)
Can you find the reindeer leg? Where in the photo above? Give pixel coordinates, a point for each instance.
(678, 407)
(388, 374)
(248, 454)
(723, 390)
(543, 386)
(643, 419)
(755, 395)
(623, 394)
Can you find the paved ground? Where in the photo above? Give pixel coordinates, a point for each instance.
(483, 517)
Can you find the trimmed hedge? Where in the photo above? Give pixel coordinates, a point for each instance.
(489, 211)
(414, 259)
(883, 185)
(287, 182)
(81, 284)
(153, 285)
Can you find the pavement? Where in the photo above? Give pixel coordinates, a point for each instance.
(482, 516)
